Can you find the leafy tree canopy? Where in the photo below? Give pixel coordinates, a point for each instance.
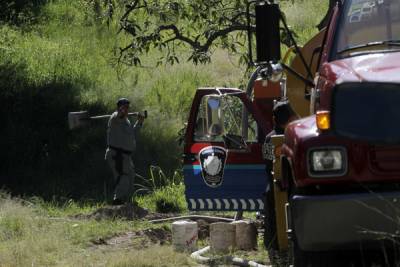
(202, 26)
(169, 25)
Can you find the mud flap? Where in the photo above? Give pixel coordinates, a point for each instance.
(242, 188)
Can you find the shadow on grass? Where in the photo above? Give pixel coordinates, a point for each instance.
(20, 12)
(42, 157)
(40, 154)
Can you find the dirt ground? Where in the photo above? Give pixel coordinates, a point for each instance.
(143, 238)
(149, 236)
(137, 239)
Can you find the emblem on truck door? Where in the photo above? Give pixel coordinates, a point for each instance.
(212, 160)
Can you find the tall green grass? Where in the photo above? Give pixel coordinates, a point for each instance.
(303, 16)
(162, 193)
(29, 236)
(66, 60)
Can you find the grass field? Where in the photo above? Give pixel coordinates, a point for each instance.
(67, 61)
(33, 233)
(38, 233)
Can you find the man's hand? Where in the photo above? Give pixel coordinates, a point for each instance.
(140, 118)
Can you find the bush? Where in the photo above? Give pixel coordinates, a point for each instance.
(20, 11)
(162, 193)
(170, 199)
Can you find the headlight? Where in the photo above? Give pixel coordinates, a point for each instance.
(327, 162)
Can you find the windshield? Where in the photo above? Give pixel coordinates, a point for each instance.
(364, 22)
(224, 118)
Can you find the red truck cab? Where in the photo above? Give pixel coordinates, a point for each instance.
(341, 164)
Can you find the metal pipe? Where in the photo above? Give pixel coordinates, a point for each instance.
(194, 217)
(249, 90)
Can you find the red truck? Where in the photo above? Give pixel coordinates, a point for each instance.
(335, 185)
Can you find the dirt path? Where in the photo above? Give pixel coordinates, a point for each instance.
(134, 240)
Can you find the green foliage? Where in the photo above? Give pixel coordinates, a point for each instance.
(303, 16)
(30, 236)
(39, 83)
(11, 228)
(166, 199)
(66, 61)
(171, 26)
(173, 93)
(158, 179)
(62, 207)
(20, 12)
(197, 26)
(164, 194)
(45, 74)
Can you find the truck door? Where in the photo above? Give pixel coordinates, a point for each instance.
(223, 162)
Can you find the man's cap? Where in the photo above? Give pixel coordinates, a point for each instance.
(122, 101)
(282, 112)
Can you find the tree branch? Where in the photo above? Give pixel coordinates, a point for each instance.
(130, 7)
(178, 35)
(198, 24)
(221, 33)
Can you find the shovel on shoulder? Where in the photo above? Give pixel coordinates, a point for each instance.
(78, 119)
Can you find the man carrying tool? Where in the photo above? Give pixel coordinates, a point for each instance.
(121, 143)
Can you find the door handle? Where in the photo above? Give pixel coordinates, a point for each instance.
(189, 157)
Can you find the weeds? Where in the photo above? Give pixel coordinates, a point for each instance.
(162, 194)
(158, 180)
(29, 236)
(66, 61)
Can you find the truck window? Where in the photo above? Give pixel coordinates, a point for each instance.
(229, 120)
(366, 21)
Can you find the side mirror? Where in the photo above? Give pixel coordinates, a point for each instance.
(215, 125)
(268, 32)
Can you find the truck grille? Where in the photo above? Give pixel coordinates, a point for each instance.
(369, 112)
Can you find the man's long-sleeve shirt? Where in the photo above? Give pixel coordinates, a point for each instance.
(121, 133)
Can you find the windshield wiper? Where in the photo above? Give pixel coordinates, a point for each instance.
(370, 44)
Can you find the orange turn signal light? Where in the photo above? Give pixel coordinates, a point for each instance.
(323, 120)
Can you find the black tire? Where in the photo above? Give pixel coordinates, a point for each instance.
(300, 258)
(310, 259)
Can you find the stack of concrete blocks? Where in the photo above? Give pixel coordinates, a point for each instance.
(184, 235)
(236, 235)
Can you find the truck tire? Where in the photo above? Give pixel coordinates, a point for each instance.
(270, 235)
(300, 258)
(309, 259)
